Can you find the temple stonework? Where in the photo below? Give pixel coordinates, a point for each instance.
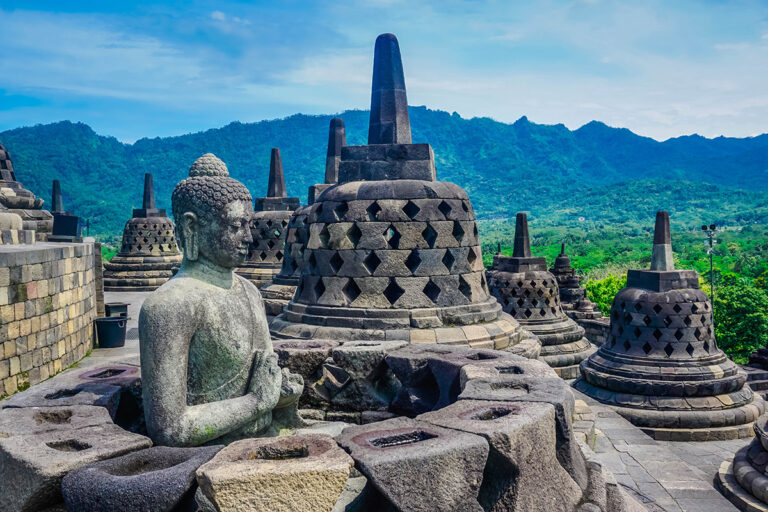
(270, 227)
(280, 290)
(392, 252)
(573, 296)
(661, 367)
(17, 199)
(530, 294)
(149, 253)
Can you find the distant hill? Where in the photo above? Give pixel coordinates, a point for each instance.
(603, 175)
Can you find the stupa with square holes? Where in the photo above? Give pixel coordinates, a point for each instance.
(149, 252)
(661, 367)
(270, 227)
(529, 293)
(393, 253)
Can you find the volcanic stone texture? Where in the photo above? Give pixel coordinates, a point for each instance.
(281, 290)
(661, 367)
(21, 201)
(53, 442)
(743, 480)
(304, 472)
(160, 479)
(530, 294)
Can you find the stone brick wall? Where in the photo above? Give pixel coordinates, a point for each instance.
(596, 330)
(47, 307)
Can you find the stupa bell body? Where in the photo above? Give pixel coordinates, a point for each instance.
(573, 297)
(529, 293)
(17, 199)
(661, 367)
(270, 227)
(149, 252)
(392, 253)
(280, 291)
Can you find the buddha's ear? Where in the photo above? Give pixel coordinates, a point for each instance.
(190, 227)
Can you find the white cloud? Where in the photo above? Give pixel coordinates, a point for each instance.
(218, 16)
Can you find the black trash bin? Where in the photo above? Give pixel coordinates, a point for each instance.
(110, 331)
(116, 308)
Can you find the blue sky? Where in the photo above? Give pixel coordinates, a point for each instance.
(136, 69)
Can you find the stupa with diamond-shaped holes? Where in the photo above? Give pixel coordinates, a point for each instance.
(149, 251)
(661, 367)
(393, 254)
(270, 227)
(280, 291)
(529, 292)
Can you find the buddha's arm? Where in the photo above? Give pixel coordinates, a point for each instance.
(165, 334)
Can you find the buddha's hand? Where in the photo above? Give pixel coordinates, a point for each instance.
(290, 389)
(266, 380)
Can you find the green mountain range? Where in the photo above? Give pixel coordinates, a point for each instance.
(593, 177)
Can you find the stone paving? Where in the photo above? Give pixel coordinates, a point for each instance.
(666, 476)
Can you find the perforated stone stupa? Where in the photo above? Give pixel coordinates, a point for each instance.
(19, 200)
(529, 292)
(280, 290)
(393, 253)
(573, 297)
(661, 367)
(149, 251)
(273, 213)
(66, 225)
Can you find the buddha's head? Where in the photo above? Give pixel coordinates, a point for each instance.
(213, 214)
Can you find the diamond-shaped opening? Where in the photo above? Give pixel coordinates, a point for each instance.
(392, 237)
(638, 307)
(706, 306)
(657, 308)
(341, 210)
(471, 257)
(676, 308)
(464, 207)
(325, 236)
(351, 290)
(448, 260)
(336, 262)
(276, 233)
(678, 334)
(270, 244)
(520, 302)
(621, 330)
(372, 262)
(543, 312)
(284, 223)
(628, 318)
(689, 349)
(465, 288)
(444, 208)
(430, 235)
(667, 321)
(458, 232)
(687, 320)
(638, 332)
(547, 301)
(279, 255)
(474, 231)
(647, 320)
(313, 260)
(269, 223)
(706, 346)
(697, 332)
(411, 209)
(354, 234)
(534, 303)
(647, 347)
(393, 291)
(540, 292)
(263, 255)
(657, 334)
(413, 261)
(527, 292)
(432, 291)
(528, 313)
(373, 210)
(694, 308)
(627, 345)
(669, 349)
(319, 288)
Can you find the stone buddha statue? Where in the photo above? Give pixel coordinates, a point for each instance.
(208, 369)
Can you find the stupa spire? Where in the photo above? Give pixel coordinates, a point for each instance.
(522, 240)
(276, 187)
(57, 205)
(149, 193)
(389, 123)
(661, 258)
(337, 138)
(562, 249)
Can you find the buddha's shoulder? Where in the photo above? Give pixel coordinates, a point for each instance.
(179, 292)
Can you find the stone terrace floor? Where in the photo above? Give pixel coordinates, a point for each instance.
(665, 476)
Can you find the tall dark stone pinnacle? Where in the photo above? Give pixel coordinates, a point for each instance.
(276, 187)
(562, 249)
(661, 258)
(337, 138)
(522, 241)
(389, 122)
(149, 193)
(57, 205)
